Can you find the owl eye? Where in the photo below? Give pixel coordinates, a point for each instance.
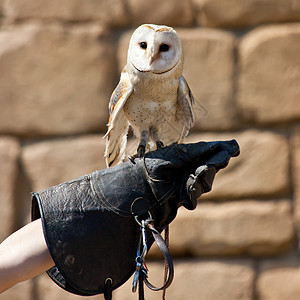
(164, 48)
(143, 45)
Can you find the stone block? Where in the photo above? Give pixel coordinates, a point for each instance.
(234, 13)
(9, 154)
(21, 291)
(57, 80)
(123, 45)
(209, 71)
(261, 170)
(52, 162)
(169, 12)
(46, 289)
(1, 9)
(110, 13)
(199, 279)
(295, 167)
(269, 89)
(248, 227)
(279, 280)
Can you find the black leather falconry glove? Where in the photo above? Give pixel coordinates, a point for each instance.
(88, 223)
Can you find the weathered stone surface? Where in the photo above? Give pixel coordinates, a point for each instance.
(170, 12)
(9, 152)
(21, 291)
(106, 12)
(123, 48)
(55, 80)
(279, 280)
(248, 227)
(235, 13)
(201, 280)
(55, 161)
(1, 9)
(261, 170)
(295, 166)
(269, 89)
(46, 289)
(209, 70)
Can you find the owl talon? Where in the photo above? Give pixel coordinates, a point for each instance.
(141, 151)
(159, 144)
(132, 158)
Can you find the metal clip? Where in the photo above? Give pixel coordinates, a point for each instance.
(146, 222)
(136, 277)
(140, 256)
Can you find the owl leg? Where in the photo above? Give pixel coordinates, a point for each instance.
(143, 142)
(159, 144)
(155, 137)
(142, 146)
(141, 151)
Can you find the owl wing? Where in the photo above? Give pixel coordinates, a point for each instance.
(116, 135)
(184, 112)
(184, 115)
(177, 128)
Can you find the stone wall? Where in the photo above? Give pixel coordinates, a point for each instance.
(59, 62)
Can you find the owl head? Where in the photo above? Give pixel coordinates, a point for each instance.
(155, 49)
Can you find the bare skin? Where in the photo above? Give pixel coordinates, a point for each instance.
(23, 255)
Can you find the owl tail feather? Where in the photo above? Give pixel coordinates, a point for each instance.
(116, 142)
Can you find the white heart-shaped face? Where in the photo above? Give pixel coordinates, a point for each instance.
(154, 48)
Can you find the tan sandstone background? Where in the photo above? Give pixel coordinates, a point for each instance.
(59, 62)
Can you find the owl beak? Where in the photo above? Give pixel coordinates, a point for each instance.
(153, 58)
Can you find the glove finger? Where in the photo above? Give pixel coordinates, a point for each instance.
(199, 183)
(167, 162)
(162, 163)
(202, 150)
(205, 178)
(219, 160)
(200, 170)
(231, 147)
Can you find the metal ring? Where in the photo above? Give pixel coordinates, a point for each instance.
(149, 219)
(108, 279)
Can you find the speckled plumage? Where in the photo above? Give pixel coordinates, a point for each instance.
(152, 95)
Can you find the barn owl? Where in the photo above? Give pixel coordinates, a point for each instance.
(152, 95)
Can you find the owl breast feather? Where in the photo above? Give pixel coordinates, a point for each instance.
(144, 112)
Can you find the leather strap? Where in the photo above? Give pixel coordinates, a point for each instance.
(108, 289)
(167, 255)
(141, 286)
(167, 240)
(140, 209)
